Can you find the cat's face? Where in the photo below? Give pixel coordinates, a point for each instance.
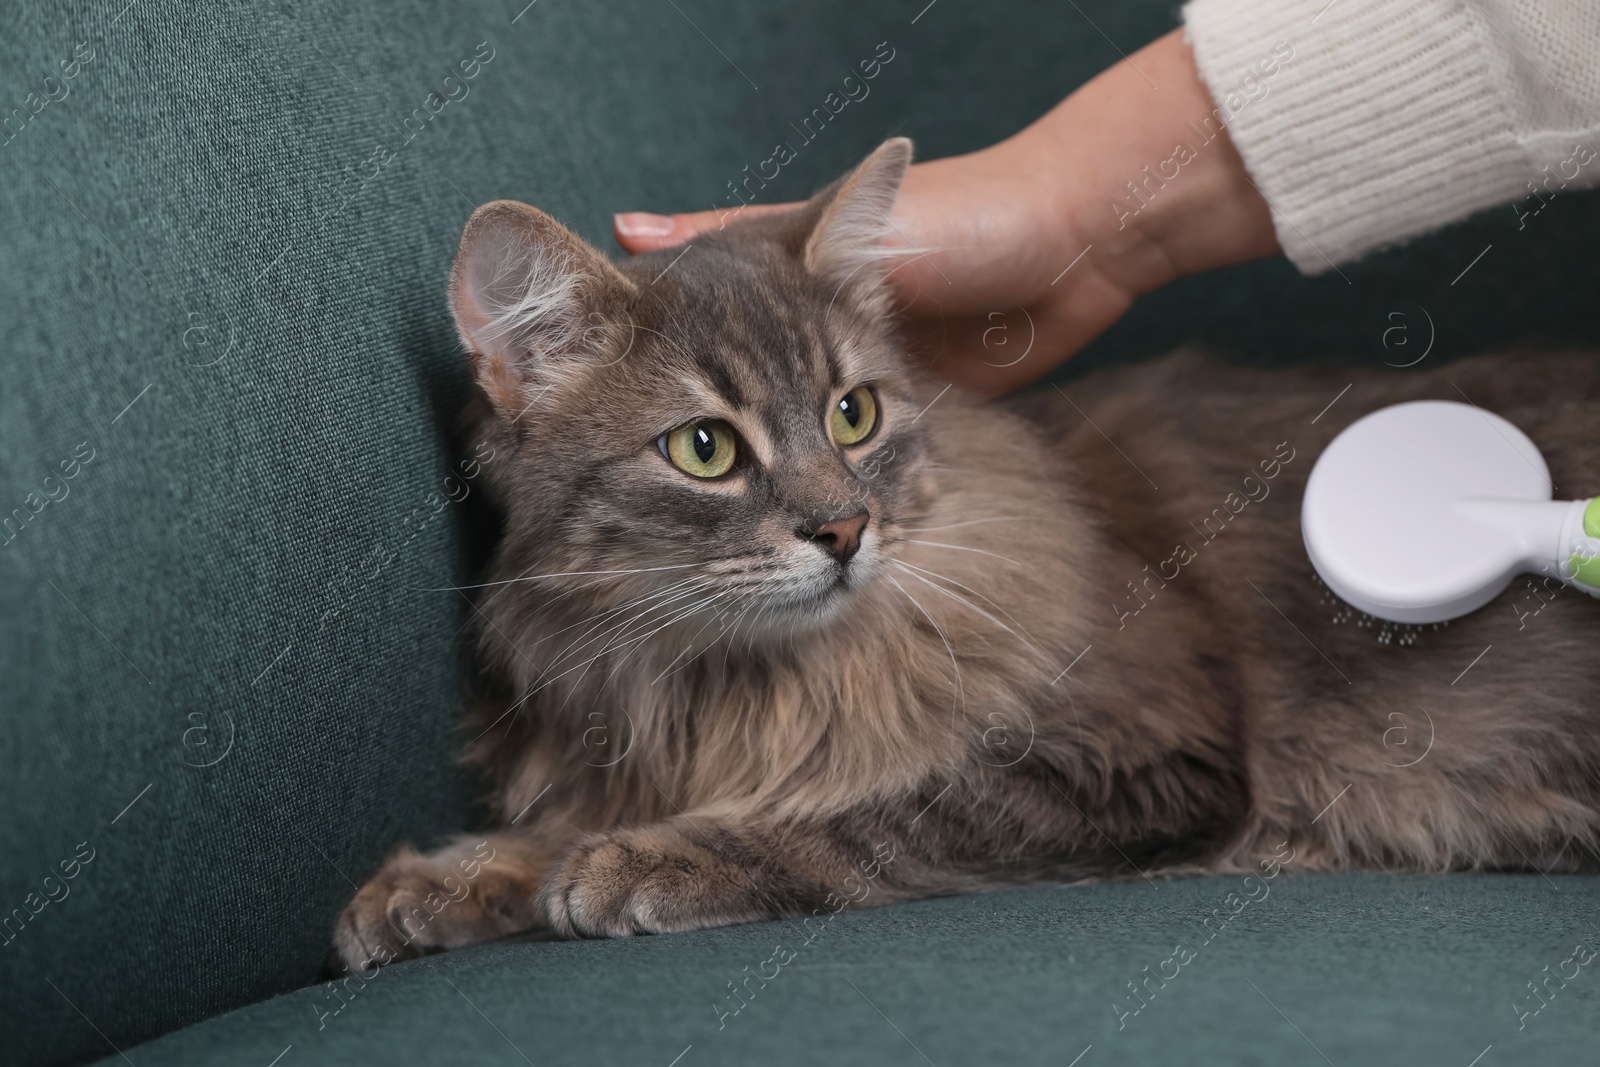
(719, 436)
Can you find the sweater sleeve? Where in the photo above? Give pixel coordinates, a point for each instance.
(1366, 122)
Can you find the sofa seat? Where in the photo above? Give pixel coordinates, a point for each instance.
(1350, 969)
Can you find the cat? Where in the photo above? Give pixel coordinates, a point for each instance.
(777, 624)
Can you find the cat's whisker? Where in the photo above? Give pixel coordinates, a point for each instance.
(594, 583)
(976, 522)
(676, 612)
(606, 633)
(623, 607)
(584, 665)
(896, 622)
(668, 669)
(558, 574)
(683, 613)
(662, 600)
(546, 679)
(961, 548)
(986, 599)
(638, 642)
(912, 571)
(589, 585)
(960, 692)
(730, 636)
(549, 601)
(763, 606)
(667, 605)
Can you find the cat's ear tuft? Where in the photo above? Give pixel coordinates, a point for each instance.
(855, 210)
(527, 294)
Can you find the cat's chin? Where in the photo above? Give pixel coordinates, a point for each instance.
(818, 603)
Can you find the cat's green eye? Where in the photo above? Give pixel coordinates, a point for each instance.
(703, 449)
(854, 417)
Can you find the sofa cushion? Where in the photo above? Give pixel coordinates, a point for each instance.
(1347, 969)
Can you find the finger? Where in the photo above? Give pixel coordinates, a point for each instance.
(640, 231)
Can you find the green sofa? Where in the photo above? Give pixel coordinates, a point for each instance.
(231, 654)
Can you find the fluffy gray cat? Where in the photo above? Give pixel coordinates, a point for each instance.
(770, 631)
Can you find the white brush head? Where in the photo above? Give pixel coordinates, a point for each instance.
(1424, 511)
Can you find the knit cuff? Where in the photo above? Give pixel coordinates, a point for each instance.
(1386, 120)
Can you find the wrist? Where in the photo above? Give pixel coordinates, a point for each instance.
(1149, 176)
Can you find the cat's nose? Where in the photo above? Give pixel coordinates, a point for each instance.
(840, 538)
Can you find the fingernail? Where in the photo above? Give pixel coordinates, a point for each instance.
(642, 224)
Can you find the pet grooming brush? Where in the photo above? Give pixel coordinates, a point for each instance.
(1425, 511)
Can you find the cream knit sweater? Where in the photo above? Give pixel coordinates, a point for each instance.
(1394, 117)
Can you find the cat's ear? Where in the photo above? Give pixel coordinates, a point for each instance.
(854, 212)
(527, 295)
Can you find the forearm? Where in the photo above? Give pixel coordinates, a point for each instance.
(1131, 173)
(1153, 179)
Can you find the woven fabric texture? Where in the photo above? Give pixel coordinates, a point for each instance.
(227, 407)
(1422, 971)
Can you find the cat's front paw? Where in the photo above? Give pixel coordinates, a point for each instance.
(650, 880)
(419, 904)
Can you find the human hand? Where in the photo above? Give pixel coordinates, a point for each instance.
(1029, 231)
